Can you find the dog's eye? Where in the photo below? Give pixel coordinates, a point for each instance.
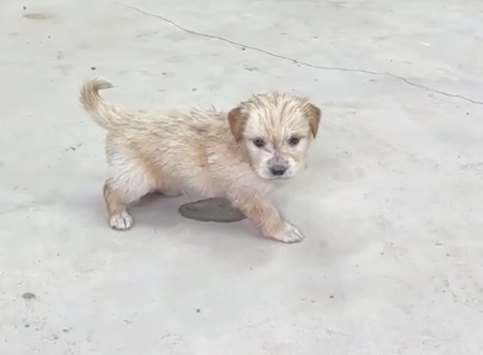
(258, 142)
(294, 140)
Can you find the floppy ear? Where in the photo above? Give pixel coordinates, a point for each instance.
(314, 113)
(236, 119)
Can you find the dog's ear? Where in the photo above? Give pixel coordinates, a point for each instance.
(314, 113)
(236, 119)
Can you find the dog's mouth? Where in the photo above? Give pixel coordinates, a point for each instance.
(275, 178)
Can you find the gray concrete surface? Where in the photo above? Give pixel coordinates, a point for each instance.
(391, 203)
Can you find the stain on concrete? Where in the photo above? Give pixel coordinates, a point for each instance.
(250, 68)
(29, 296)
(39, 16)
(211, 210)
(73, 148)
(64, 69)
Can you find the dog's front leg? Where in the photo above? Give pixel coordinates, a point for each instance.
(263, 213)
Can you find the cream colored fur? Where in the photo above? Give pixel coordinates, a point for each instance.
(238, 155)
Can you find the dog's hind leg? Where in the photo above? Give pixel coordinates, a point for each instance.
(121, 191)
(119, 217)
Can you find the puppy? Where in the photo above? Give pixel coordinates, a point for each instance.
(240, 155)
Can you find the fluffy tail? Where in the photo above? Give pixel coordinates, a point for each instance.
(106, 115)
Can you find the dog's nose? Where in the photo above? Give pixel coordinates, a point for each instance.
(278, 170)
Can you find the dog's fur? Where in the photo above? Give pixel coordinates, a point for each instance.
(215, 153)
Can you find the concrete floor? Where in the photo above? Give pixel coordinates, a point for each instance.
(391, 203)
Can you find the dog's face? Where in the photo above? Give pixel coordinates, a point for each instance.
(276, 129)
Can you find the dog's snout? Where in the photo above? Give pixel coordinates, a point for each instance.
(278, 170)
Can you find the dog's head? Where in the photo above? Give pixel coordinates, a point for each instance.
(276, 129)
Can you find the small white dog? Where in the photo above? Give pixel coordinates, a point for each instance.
(240, 155)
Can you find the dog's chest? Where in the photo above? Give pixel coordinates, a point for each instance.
(224, 180)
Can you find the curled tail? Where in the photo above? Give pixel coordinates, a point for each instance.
(106, 115)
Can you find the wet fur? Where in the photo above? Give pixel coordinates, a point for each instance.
(212, 152)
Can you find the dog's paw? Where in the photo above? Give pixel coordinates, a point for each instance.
(289, 234)
(122, 221)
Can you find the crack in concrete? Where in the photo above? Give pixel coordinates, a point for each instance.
(302, 63)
